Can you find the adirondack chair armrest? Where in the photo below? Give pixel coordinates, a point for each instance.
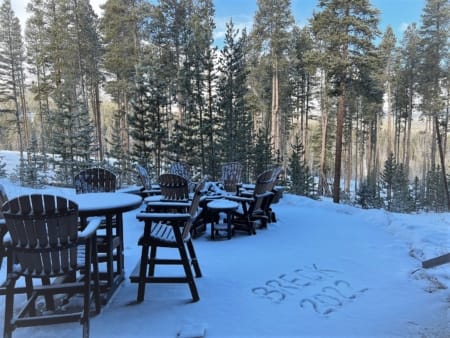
(162, 216)
(90, 228)
(168, 204)
(239, 198)
(265, 194)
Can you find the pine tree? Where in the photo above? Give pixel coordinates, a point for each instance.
(388, 177)
(435, 44)
(369, 193)
(406, 82)
(346, 30)
(38, 57)
(194, 82)
(89, 53)
(262, 158)
(73, 138)
(387, 48)
(303, 80)
(149, 120)
(302, 183)
(402, 200)
(434, 191)
(211, 158)
(122, 29)
(34, 174)
(270, 38)
(417, 193)
(12, 72)
(270, 35)
(234, 125)
(118, 143)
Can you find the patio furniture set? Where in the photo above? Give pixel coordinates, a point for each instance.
(57, 243)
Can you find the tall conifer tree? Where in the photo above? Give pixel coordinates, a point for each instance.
(435, 42)
(270, 38)
(12, 72)
(346, 30)
(234, 118)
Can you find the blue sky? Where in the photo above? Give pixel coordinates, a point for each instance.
(396, 13)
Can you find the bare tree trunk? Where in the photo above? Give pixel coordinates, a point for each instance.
(98, 122)
(275, 128)
(389, 118)
(23, 104)
(323, 186)
(426, 148)
(338, 151)
(446, 123)
(348, 158)
(408, 142)
(397, 138)
(433, 143)
(376, 160)
(356, 152)
(442, 157)
(369, 151)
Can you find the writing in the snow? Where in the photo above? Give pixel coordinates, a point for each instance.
(315, 289)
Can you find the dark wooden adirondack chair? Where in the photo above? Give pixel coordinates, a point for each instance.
(168, 230)
(231, 176)
(3, 253)
(253, 204)
(45, 244)
(174, 187)
(184, 170)
(277, 194)
(267, 181)
(174, 195)
(95, 180)
(147, 188)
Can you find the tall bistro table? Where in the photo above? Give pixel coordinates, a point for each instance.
(110, 205)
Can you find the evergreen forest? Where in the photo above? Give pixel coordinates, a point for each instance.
(348, 111)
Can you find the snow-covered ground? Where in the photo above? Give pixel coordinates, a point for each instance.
(322, 270)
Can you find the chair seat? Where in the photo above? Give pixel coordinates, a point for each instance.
(160, 234)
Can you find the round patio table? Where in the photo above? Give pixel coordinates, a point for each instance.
(110, 205)
(216, 207)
